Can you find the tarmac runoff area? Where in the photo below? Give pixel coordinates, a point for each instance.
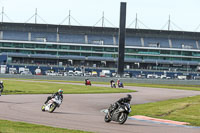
(83, 111)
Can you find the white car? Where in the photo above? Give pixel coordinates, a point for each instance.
(126, 75)
(78, 73)
(70, 73)
(87, 74)
(26, 73)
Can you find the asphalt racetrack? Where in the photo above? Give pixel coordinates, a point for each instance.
(83, 111)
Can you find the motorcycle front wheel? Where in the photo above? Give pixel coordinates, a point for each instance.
(122, 118)
(52, 107)
(43, 108)
(107, 119)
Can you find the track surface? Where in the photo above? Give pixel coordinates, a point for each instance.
(82, 111)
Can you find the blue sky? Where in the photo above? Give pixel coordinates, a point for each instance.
(152, 13)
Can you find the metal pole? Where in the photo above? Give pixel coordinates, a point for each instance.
(122, 31)
(136, 22)
(103, 20)
(169, 23)
(69, 23)
(2, 14)
(35, 15)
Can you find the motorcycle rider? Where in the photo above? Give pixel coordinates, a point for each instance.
(118, 83)
(59, 94)
(87, 82)
(114, 106)
(111, 83)
(1, 87)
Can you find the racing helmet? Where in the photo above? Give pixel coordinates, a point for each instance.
(1, 82)
(60, 91)
(129, 97)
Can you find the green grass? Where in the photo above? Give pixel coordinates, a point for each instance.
(169, 86)
(184, 109)
(21, 127)
(22, 87)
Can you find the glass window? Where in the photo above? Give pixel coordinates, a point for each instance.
(40, 45)
(29, 45)
(167, 52)
(175, 58)
(107, 55)
(64, 47)
(17, 45)
(62, 53)
(78, 54)
(72, 47)
(25, 51)
(50, 46)
(86, 48)
(186, 59)
(186, 53)
(100, 49)
(78, 47)
(130, 50)
(85, 54)
(98, 55)
(109, 50)
(176, 52)
(7, 44)
(130, 56)
(51, 52)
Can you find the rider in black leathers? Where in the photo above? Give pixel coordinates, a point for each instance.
(111, 82)
(59, 93)
(1, 87)
(114, 106)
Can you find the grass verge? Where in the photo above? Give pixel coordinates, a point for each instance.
(168, 86)
(21, 127)
(184, 109)
(26, 87)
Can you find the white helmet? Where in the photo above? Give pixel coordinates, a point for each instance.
(1, 82)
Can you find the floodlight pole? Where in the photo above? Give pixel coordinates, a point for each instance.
(35, 15)
(136, 22)
(122, 31)
(69, 23)
(2, 13)
(103, 19)
(169, 23)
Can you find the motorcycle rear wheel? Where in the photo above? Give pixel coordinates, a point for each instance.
(122, 118)
(106, 118)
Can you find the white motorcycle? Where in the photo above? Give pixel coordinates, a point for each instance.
(52, 104)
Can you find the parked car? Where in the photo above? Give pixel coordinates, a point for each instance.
(126, 75)
(26, 73)
(78, 73)
(87, 74)
(70, 73)
(94, 74)
(12, 70)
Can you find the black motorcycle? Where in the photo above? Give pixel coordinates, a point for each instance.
(119, 115)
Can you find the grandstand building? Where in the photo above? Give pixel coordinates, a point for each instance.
(65, 45)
